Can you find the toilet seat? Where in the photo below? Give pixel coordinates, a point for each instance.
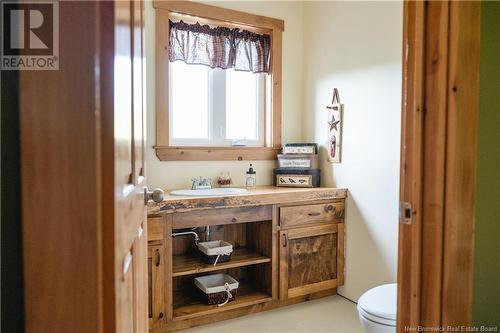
(375, 319)
(379, 304)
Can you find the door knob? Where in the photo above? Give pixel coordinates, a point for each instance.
(156, 195)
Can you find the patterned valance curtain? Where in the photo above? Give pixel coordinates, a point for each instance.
(219, 47)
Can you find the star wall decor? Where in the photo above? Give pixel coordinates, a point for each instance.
(333, 123)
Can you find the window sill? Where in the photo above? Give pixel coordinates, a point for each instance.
(216, 153)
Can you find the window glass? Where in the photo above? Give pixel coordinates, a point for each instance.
(242, 105)
(189, 101)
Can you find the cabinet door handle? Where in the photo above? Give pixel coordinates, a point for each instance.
(285, 240)
(314, 214)
(157, 253)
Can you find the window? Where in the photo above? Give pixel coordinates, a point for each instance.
(215, 107)
(209, 113)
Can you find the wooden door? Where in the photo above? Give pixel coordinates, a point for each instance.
(310, 259)
(438, 158)
(130, 250)
(82, 145)
(156, 283)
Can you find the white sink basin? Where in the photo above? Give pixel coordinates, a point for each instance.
(209, 192)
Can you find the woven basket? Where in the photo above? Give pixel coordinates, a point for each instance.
(211, 259)
(217, 298)
(213, 252)
(217, 288)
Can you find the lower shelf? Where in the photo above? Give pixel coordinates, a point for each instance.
(188, 305)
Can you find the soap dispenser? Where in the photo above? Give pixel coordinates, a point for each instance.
(251, 179)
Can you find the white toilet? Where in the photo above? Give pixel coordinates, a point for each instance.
(377, 309)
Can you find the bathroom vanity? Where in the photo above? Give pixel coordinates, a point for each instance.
(288, 248)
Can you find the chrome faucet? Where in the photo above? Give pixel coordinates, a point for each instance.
(184, 233)
(201, 183)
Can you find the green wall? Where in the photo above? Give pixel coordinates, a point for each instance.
(486, 297)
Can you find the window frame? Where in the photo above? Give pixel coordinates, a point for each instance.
(207, 14)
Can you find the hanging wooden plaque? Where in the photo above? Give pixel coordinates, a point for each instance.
(335, 118)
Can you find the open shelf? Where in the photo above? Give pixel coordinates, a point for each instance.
(192, 264)
(187, 303)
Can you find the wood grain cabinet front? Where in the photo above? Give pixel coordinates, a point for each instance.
(297, 216)
(311, 259)
(156, 286)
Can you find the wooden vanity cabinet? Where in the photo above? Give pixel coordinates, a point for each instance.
(285, 251)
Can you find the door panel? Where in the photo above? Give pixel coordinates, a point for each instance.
(130, 211)
(310, 259)
(123, 95)
(139, 82)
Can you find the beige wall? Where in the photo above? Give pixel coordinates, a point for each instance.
(178, 174)
(356, 47)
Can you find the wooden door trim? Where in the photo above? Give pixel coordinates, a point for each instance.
(438, 163)
(461, 161)
(411, 163)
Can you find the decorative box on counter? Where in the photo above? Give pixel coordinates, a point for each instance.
(297, 177)
(308, 161)
(300, 148)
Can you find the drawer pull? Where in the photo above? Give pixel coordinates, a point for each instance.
(234, 219)
(314, 214)
(329, 208)
(157, 252)
(160, 315)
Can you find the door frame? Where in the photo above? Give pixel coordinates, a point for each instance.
(438, 163)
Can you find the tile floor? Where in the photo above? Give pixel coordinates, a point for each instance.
(330, 314)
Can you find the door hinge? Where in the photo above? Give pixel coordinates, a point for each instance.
(405, 212)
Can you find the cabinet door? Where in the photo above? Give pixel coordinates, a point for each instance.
(156, 284)
(311, 259)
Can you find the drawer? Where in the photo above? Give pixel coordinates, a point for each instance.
(155, 229)
(200, 218)
(295, 216)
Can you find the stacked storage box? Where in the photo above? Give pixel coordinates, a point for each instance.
(298, 166)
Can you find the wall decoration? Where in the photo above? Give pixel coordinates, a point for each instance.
(335, 115)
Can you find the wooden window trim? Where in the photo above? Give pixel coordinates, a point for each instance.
(231, 18)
